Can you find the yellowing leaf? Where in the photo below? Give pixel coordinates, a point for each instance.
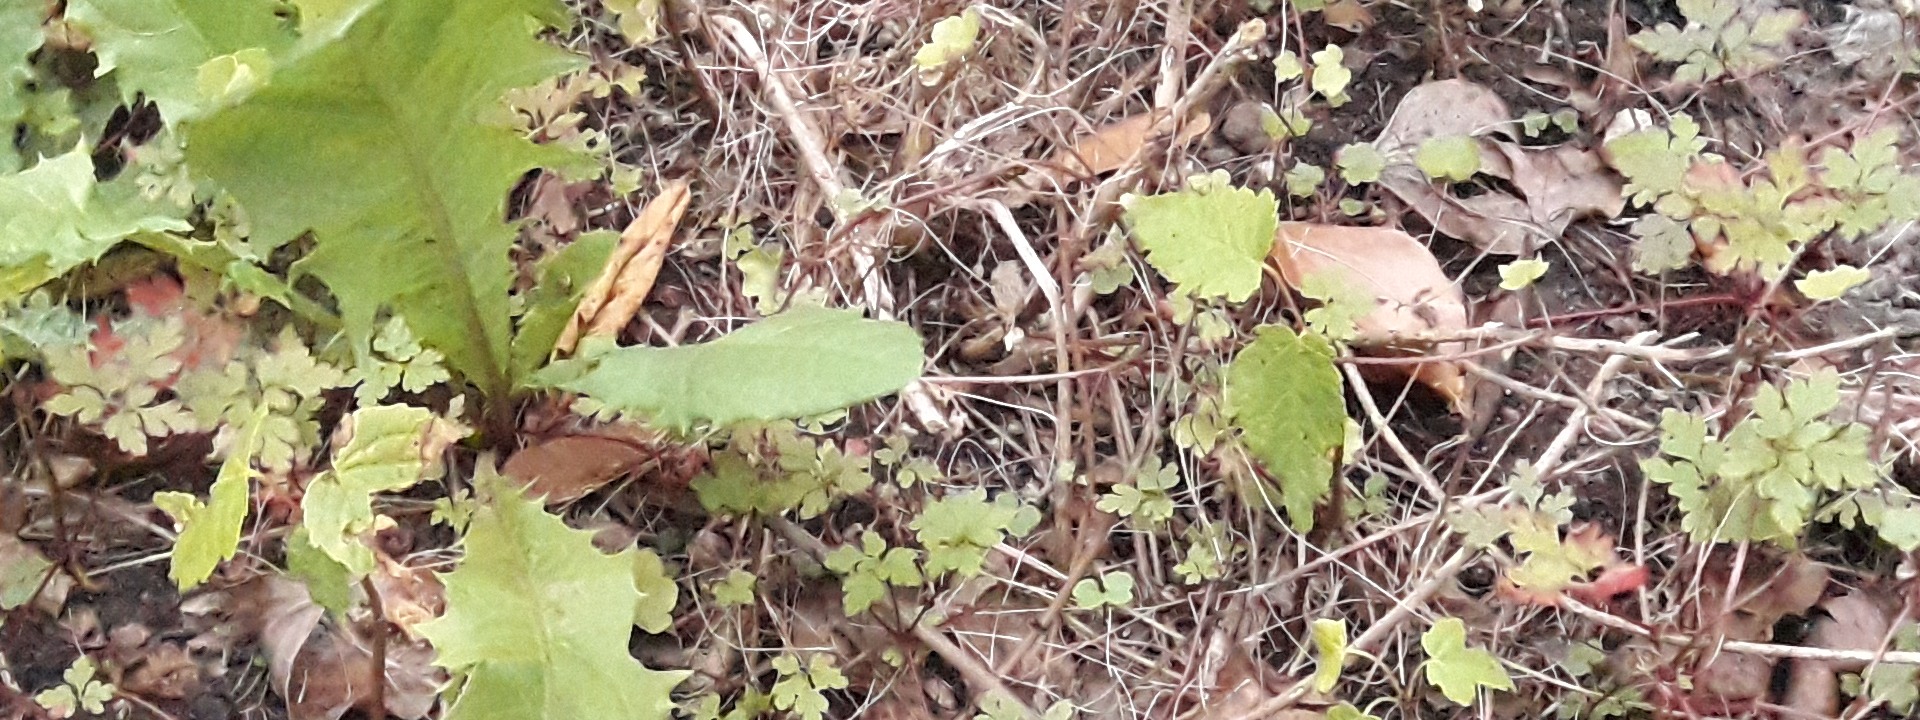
(210, 532)
(384, 455)
(1330, 640)
(1460, 671)
(802, 362)
(1330, 78)
(538, 620)
(1286, 66)
(639, 20)
(402, 184)
(1831, 284)
(952, 39)
(1284, 394)
(1209, 239)
(1521, 273)
(1454, 158)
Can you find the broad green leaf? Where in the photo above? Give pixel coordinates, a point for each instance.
(54, 218)
(1454, 159)
(160, 48)
(1460, 671)
(210, 531)
(538, 621)
(563, 277)
(802, 362)
(402, 184)
(654, 612)
(1286, 66)
(952, 39)
(328, 582)
(1360, 163)
(1900, 527)
(20, 35)
(1114, 589)
(1330, 640)
(1330, 78)
(1211, 239)
(1284, 394)
(1304, 180)
(1831, 284)
(384, 455)
(1519, 274)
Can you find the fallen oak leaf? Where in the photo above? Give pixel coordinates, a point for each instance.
(1410, 293)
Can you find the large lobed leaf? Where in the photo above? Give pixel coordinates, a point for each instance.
(375, 143)
(802, 362)
(54, 218)
(538, 621)
(19, 36)
(1284, 394)
(160, 48)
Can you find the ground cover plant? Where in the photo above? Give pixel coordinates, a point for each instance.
(686, 358)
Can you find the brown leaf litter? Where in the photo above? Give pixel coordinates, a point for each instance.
(1550, 187)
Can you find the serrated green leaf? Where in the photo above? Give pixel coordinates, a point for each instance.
(210, 532)
(1831, 284)
(1900, 527)
(402, 184)
(1360, 163)
(384, 455)
(958, 530)
(54, 218)
(735, 589)
(1304, 180)
(1211, 238)
(803, 691)
(805, 361)
(1284, 394)
(1655, 160)
(1520, 274)
(1460, 671)
(159, 47)
(1454, 159)
(538, 620)
(1330, 641)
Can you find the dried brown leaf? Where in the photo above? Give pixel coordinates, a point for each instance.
(1412, 295)
(1112, 146)
(623, 285)
(1555, 186)
(566, 468)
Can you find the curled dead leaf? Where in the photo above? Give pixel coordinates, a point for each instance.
(1550, 188)
(1859, 620)
(1411, 294)
(627, 279)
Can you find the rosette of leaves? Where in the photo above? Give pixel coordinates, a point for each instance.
(121, 392)
(286, 379)
(1720, 37)
(1763, 479)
